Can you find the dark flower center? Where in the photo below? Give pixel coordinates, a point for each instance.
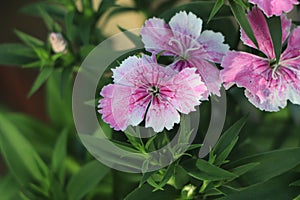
(154, 90)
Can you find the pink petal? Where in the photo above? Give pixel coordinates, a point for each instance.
(293, 49)
(293, 92)
(118, 107)
(155, 35)
(186, 24)
(275, 7)
(161, 114)
(261, 32)
(286, 27)
(271, 103)
(188, 90)
(254, 74)
(210, 75)
(125, 74)
(136, 71)
(214, 45)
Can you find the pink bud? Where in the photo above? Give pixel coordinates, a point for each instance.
(58, 43)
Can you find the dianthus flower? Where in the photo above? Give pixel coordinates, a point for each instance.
(144, 89)
(268, 83)
(182, 39)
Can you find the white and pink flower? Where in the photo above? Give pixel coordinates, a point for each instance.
(268, 83)
(143, 89)
(182, 39)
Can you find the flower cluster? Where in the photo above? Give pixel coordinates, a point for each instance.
(145, 90)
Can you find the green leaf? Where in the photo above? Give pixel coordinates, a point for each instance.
(21, 158)
(42, 78)
(166, 177)
(202, 170)
(181, 178)
(120, 10)
(69, 25)
(38, 133)
(241, 17)
(59, 154)
(16, 54)
(145, 177)
(54, 10)
(240, 170)
(297, 197)
(135, 39)
(86, 179)
(274, 24)
(29, 40)
(59, 108)
(215, 9)
(104, 6)
(49, 21)
(65, 80)
(274, 189)
(285, 159)
(296, 183)
(227, 141)
(202, 9)
(241, 3)
(9, 189)
(145, 192)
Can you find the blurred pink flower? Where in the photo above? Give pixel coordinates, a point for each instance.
(142, 87)
(58, 43)
(268, 84)
(182, 38)
(275, 7)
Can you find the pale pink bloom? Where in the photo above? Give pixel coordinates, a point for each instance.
(58, 43)
(275, 7)
(144, 89)
(182, 38)
(267, 85)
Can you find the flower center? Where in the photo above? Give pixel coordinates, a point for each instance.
(154, 90)
(184, 51)
(275, 67)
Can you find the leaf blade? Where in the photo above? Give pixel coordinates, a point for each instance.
(241, 17)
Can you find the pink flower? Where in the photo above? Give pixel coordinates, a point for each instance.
(268, 85)
(275, 7)
(182, 38)
(144, 88)
(58, 43)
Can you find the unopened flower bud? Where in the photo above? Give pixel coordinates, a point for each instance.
(58, 43)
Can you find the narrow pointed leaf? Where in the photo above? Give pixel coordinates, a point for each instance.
(216, 8)
(241, 17)
(86, 179)
(285, 159)
(28, 39)
(42, 77)
(21, 158)
(16, 54)
(59, 154)
(202, 170)
(274, 24)
(227, 141)
(275, 189)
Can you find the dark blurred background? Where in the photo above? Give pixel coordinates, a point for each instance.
(15, 82)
